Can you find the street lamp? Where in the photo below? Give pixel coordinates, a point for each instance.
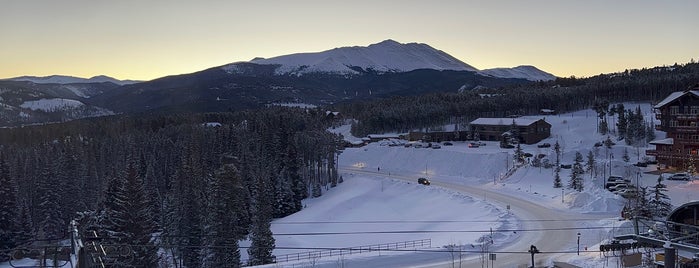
(578, 244)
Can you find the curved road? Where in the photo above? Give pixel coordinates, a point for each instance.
(561, 238)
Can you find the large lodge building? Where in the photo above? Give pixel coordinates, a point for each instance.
(679, 118)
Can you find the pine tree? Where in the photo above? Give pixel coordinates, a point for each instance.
(650, 132)
(590, 164)
(642, 207)
(221, 224)
(8, 211)
(317, 190)
(133, 222)
(262, 239)
(519, 154)
(557, 149)
(622, 123)
(51, 224)
(659, 203)
(575, 182)
(557, 177)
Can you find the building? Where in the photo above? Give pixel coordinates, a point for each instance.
(527, 131)
(678, 114)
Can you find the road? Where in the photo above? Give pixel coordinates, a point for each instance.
(561, 234)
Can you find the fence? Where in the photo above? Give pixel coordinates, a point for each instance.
(310, 255)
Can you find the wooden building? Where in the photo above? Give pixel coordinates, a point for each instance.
(526, 130)
(679, 116)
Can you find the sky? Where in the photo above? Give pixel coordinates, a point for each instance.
(143, 40)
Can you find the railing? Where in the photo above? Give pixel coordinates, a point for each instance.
(312, 255)
(687, 129)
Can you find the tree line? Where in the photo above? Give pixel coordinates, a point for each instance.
(402, 114)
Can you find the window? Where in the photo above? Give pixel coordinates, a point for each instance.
(673, 123)
(694, 110)
(674, 109)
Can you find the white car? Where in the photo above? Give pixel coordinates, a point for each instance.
(680, 177)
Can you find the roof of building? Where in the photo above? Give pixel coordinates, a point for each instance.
(668, 141)
(382, 136)
(675, 95)
(503, 121)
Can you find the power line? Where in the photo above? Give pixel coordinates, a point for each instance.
(429, 221)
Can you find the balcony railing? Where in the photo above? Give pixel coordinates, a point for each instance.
(687, 129)
(687, 117)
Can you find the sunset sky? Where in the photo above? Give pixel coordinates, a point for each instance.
(136, 39)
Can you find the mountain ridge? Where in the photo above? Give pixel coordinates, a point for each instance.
(67, 79)
(383, 57)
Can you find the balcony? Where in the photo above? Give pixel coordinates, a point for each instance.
(686, 129)
(686, 141)
(687, 117)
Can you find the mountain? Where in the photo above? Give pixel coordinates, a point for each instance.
(63, 79)
(23, 102)
(383, 57)
(527, 72)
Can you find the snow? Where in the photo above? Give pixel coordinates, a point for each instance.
(380, 201)
(527, 72)
(673, 96)
(386, 56)
(380, 188)
(51, 105)
(666, 141)
(64, 79)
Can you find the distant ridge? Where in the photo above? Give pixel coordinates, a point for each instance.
(65, 79)
(528, 72)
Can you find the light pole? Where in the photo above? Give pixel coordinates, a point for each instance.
(578, 244)
(562, 193)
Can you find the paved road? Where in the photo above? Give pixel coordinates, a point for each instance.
(562, 236)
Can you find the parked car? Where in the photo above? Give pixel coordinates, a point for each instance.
(446, 143)
(423, 181)
(544, 145)
(629, 192)
(472, 145)
(680, 177)
(566, 166)
(641, 164)
(615, 180)
(436, 146)
(619, 187)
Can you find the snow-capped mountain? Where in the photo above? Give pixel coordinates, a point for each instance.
(528, 72)
(383, 57)
(388, 56)
(64, 79)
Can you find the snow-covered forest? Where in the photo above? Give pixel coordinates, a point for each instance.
(171, 183)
